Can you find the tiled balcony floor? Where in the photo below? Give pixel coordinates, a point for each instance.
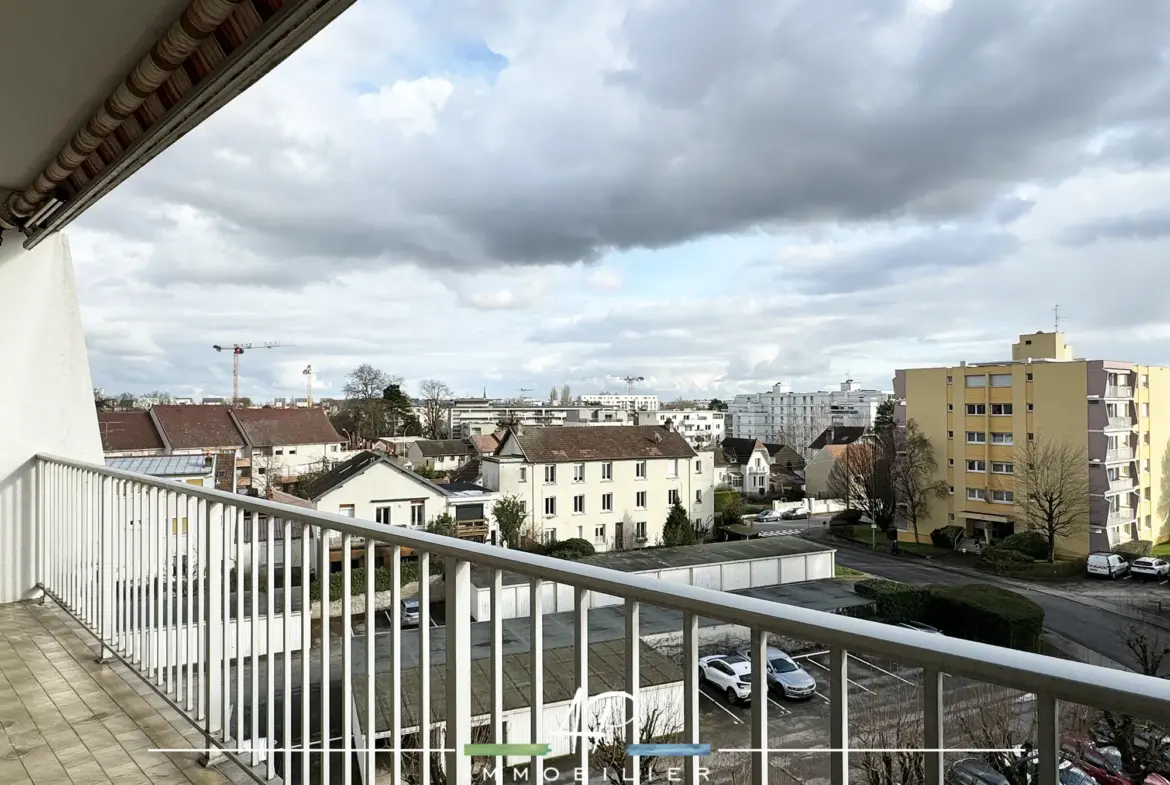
(65, 718)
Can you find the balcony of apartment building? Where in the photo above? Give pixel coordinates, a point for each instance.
(1111, 381)
(1112, 447)
(1113, 416)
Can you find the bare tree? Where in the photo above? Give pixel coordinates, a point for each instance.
(1052, 488)
(552, 395)
(363, 389)
(888, 728)
(413, 762)
(566, 396)
(1144, 746)
(863, 476)
(435, 395)
(914, 468)
(365, 381)
(989, 718)
(660, 722)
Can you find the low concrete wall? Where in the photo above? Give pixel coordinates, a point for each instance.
(383, 600)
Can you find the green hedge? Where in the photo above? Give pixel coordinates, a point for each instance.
(1134, 549)
(382, 581)
(1002, 559)
(947, 537)
(976, 611)
(573, 548)
(846, 518)
(986, 613)
(1030, 543)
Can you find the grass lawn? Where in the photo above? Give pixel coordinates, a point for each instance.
(847, 572)
(1162, 551)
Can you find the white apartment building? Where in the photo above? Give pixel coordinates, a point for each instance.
(610, 486)
(701, 428)
(795, 419)
(482, 416)
(629, 402)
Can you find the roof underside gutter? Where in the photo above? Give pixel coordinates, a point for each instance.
(216, 50)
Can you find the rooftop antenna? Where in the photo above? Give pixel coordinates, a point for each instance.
(1056, 318)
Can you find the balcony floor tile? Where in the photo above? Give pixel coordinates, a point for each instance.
(64, 717)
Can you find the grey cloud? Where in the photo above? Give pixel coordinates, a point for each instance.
(1010, 209)
(1146, 225)
(730, 115)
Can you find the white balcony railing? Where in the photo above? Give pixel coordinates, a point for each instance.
(1124, 515)
(1116, 422)
(162, 596)
(1118, 391)
(1119, 454)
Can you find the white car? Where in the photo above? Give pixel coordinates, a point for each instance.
(1149, 567)
(768, 516)
(730, 673)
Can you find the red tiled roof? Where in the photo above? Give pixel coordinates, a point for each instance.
(198, 427)
(124, 431)
(277, 427)
(560, 443)
(486, 444)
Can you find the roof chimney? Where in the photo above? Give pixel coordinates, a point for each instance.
(518, 428)
(669, 425)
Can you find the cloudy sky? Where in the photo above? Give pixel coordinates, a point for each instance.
(713, 194)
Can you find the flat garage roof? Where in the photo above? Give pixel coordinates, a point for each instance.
(606, 673)
(647, 559)
(608, 623)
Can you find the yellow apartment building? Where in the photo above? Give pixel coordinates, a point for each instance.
(977, 415)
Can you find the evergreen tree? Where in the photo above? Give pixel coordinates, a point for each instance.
(678, 529)
(883, 422)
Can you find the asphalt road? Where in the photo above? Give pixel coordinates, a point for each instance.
(1095, 629)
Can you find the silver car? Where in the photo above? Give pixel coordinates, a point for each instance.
(410, 613)
(786, 677)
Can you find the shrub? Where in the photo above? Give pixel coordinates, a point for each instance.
(1031, 543)
(1003, 559)
(1134, 549)
(357, 579)
(896, 602)
(846, 518)
(947, 537)
(571, 549)
(986, 613)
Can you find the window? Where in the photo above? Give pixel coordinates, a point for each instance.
(976, 466)
(1001, 380)
(523, 474)
(698, 497)
(1028, 377)
(524, 508)
(1145, 410)
(1001, 409)
(949, 378)
(550, 536)
(1030, 407)
(382, 515)
(1146, 494)
(1003, 497)
(976, 408)
(1146, 465)
(950, 407)
(640, 470)
(292, 451)
(550, 473)
(976, 437)
(607, 502)
(950, 461)
(279, 451)
(418, 514)
(672, 468)
(550, 505)
(599, 533)
(640, 531)
(698, 467)
(578, 472)
(975, 494)
(579, 504)
(1145, 380)
(1031, 436)
(346, 510)
(976, 381)
(672, 496)
(1001, 467)
(334, 448)
(640, 500)
(951, 489)
(607, 470)
(950, 434)
(1001, 438)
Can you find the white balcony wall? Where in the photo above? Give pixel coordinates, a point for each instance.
(46, 394)
(174, 638)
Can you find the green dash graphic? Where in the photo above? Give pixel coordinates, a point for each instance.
(485, 750)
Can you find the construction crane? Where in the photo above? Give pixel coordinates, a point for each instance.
(237, 349)
(308, 372)
(630, 382)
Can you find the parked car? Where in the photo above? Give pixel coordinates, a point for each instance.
(1102, 764)
(917, 625)
(768, 516)
(1148, 567)
(972, 771)
(785, 677)
(795, 514)
(1106, 565)
(1114, 757)
(731, 673)
(410, 613)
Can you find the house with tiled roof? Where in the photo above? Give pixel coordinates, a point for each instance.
(819, 468)
(612, 487)
(249, 445)
(441, 455)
